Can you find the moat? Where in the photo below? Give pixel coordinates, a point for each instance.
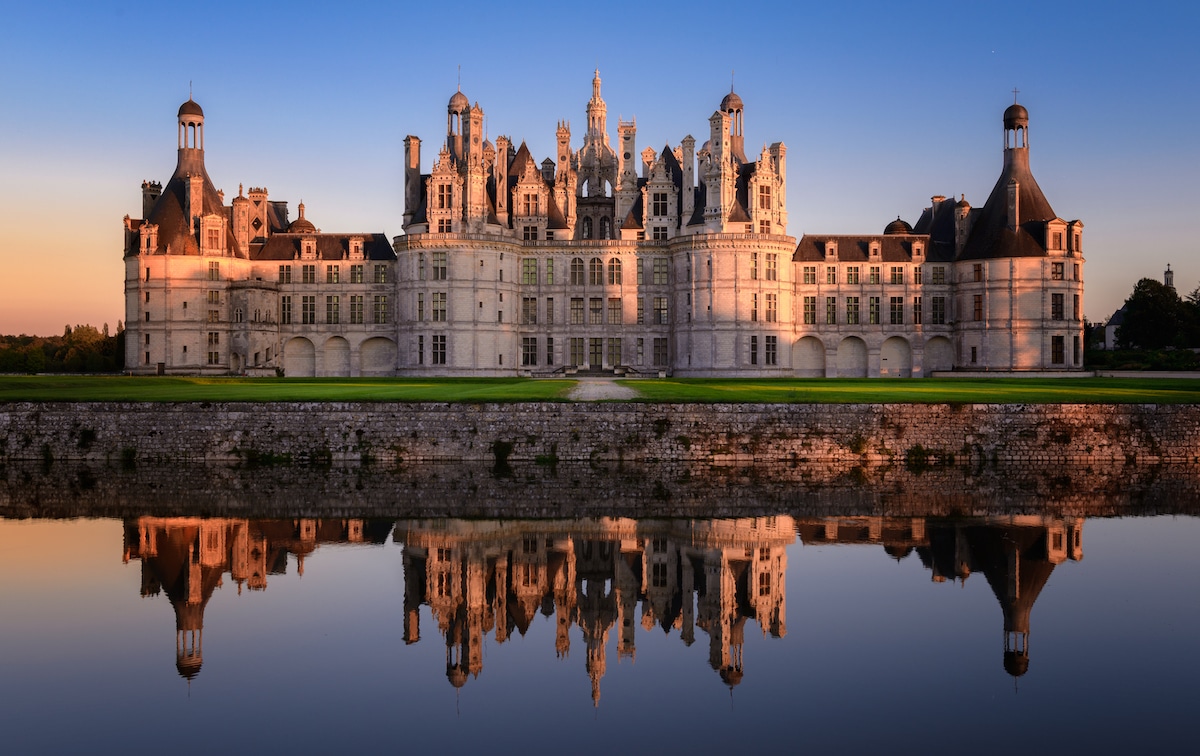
(475, 607)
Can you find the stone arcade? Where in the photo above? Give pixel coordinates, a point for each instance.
(676, 260)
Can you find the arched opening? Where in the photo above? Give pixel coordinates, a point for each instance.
(377, 356)
(299, 358)
(808, 358)
(895, 359)
(939, 355)
(852, 358)
(605, 228)
(614, 272)
(587, 228)
(337, 358)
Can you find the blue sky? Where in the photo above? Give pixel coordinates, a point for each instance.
(881, 105)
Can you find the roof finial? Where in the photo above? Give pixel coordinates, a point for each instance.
(189, 89)
(460, 77)
(1015, 93)
(731, 72)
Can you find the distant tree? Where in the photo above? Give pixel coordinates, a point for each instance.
(1154, 314)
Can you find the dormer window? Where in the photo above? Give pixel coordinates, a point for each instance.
(918, 250)
(874, 250)
(356, 249)
(831, 250)
(308, 249)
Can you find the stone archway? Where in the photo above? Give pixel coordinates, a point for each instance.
(299, 358)
(808, 357)
(336, 358)
(852, 358)
(895, 358)
(377, 356)
(939, 355)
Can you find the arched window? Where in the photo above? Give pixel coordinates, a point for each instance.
(605, 228)
(237, 315)
(577, 272)
(614, 272)
(595, 272)
(587, 228)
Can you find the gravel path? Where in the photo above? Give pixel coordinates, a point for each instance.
(600, 389)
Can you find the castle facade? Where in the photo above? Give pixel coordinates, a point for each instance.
(659, 261)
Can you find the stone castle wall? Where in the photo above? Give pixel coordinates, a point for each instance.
(844, 436)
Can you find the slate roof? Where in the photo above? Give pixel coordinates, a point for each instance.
(174, 223)
(990, 236)
(285, 246)
(893, 248)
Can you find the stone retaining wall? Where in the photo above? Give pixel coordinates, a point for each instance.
(717, 434)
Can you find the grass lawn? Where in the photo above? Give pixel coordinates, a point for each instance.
(194, 389)
(781, 390)
(923, 390)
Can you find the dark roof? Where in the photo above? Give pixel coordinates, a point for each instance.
(990, 235)
(893, 248)
(1015, 115)
(191, 107)
(897, 227)
(174, 223)
(731, 101)
(329, 247)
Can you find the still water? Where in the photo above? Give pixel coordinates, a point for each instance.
(831, 633)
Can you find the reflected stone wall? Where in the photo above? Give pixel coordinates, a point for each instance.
(730, 435)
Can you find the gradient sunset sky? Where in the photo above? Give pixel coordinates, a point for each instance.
(881, 105)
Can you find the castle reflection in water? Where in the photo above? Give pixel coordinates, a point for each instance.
(605, 576)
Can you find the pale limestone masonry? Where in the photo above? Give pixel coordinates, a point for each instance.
(846, 436)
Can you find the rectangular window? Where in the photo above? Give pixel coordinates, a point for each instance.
(939, 274)
(614, 311)
(550, 311)
(529, 351)
(576, 352)
(332, 310)
(596, 352)
(614, 352)
(830, 310)
(213, 297)
(641, 351)
(356, 309)
(658, 233)
(852, 310)
(438, 354)
(830, 274)
(753, 350)
(529, 271)
(445, 225)
(439, 266)
(356, 274)
(550, 270)
(1075, 309)
(810, 311)
(977, 272)
(660, 310)
(977, 306)
(420, 350)
(873, 305)
(285, 274)
(753, 266)
(658, 204)
(308, 274)
(443, 197)
(918, 275)
(420, 266)
(771, 353)
(1056, 307)
(439, 307)
(917, 310)
(529, 310)
(772, 308)
(897, 274)
(308, 310)
(595, 311)
(285, 310)
(576, 310)
(641, 311)
(974, 355)
(214, 316)
(214, 271)
(379, 309)
(529, 204)
(420, 306)
(641, 272)
(937, 312)
(764, 197)
(1057, 271)
(660, 352)
(897, 311)
(772, 266)
(852, 274)
(1075, 268)
(875, 274)
(529, 233)
(1057, 352)
(810, 274)
(549, 350)
(381, 276)
(1075, 345)
(332, 273)
(660, 270)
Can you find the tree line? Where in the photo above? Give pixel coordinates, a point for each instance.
(80, 349)
(1160, 330)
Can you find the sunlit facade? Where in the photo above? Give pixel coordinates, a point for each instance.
(605, 259)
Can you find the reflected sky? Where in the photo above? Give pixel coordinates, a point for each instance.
(837, 634)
